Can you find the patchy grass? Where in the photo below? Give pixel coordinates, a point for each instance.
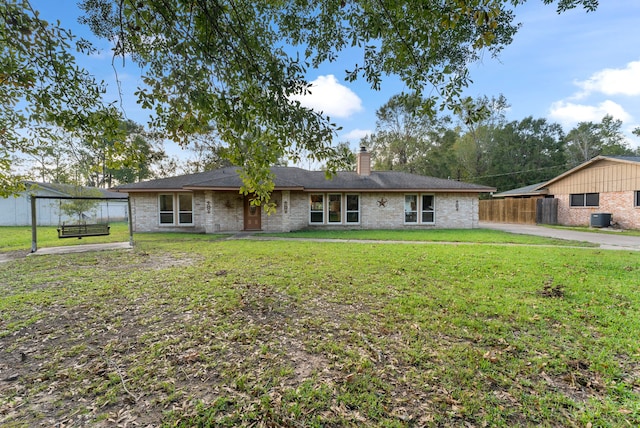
(433, 235)
(242, 333)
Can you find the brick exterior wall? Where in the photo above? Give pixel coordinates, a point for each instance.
(145, 214)
(619, 204)
(452, 211)
(224, 212)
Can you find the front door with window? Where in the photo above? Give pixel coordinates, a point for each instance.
(252, 216)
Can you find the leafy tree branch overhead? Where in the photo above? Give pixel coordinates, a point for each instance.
(41, 88)
(234, 65)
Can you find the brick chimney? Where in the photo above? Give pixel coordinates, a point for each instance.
(363, 164)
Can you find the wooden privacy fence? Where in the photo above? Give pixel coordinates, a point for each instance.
(547, 211)
(521, 211)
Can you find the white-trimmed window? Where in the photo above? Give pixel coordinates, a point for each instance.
(316, 209)
(428, 213)
(637, 198)
(174, 207)
(353, 208)
(410, 208)
(419, 209)
(185, 208)
(166, 209)
(334, 208)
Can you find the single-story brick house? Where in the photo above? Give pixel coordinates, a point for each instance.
(602, 185)
(210, 202)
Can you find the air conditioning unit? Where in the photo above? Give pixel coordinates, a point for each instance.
(600, 219)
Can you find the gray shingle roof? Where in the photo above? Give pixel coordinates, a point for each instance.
(73, 190)
(625, 158)
(530, 190)
(300, 179)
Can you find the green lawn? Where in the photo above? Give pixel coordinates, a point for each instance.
(189, 331)
(433, 235)
(19, 238)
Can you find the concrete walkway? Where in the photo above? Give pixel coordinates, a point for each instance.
(16, 255)
(607, 241)
(82, 248)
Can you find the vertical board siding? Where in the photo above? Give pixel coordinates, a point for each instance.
(601, 178)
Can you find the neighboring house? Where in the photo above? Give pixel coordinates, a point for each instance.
(16, 211)
(602, 185)
(210, 202)
(605, 184)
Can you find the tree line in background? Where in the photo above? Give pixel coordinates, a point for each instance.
(489, 150)
(130, 155)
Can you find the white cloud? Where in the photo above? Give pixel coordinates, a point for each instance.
(632, 139)
(330, 97)
(569, 114)
(611, 81)
(356, 135)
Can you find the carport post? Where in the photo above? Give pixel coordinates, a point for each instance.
(130, 221)
(34, 235)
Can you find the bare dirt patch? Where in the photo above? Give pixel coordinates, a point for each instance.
(12, 255)
(126, 362)
(164, 261)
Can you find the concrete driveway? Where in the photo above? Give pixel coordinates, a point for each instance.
(607, 241)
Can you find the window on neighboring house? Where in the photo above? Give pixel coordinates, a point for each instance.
(183, 202)
(584, 199)
(185, 209)
(411, 208)
(428, 213)
(317, 209)
(637, 198)
(353, 209)
(335, 208)
(592, 199)
(166, 209)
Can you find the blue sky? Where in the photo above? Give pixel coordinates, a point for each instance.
(567, 68)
